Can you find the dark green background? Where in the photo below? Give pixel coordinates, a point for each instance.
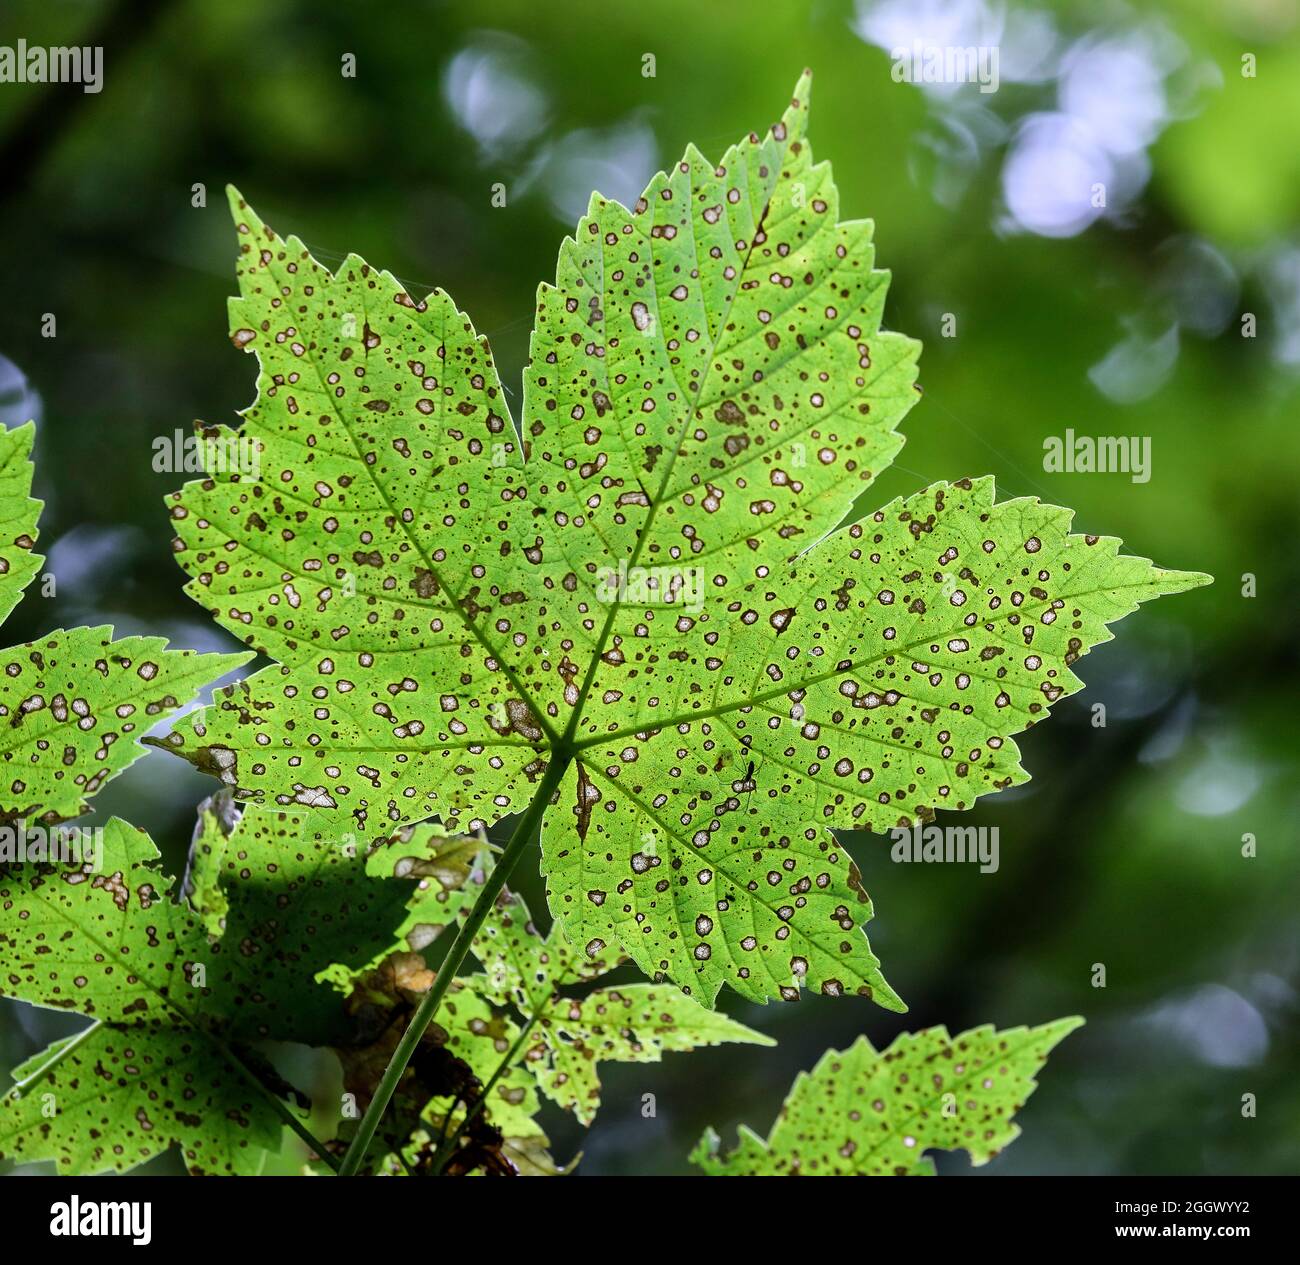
(1126, 848)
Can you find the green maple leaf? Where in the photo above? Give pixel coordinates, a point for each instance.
(179, 1011)
(74, 703)
(18, 515)
(863, 1113)
(121, 1096)
(571, 1034)
(105, 942)
(651, 594)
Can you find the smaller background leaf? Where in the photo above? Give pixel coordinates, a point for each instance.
(860, 1113)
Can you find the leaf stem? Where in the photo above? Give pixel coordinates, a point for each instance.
(528, 826)
(28, 1083)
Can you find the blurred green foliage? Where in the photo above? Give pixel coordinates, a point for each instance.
(1126, 849)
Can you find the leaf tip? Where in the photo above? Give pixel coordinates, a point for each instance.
(1187, 579)
(887, 999)
(246, 219)
(229, 660)
(1067, 1024)
(795, 117)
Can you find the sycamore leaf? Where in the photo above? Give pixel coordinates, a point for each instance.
(860, 1113)
(172, 1002)
(18, 515)
(571, 1034)
(650, 590)
(348, 560)
(120, 1096)
(72, 706)
(101, 938)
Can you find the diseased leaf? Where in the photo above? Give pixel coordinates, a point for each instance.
(177, 1008)
(349, 559)
(631, 1023)
(660, 597)
(104, 941)
(886, 672)
(72, 706)
(863, 1114)
(18, 515)
(571, 1034)
(125, 1094)
(101, 938)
